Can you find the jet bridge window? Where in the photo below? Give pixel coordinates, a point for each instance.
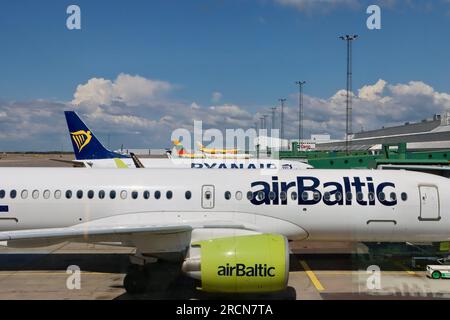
(101, 194)
(146, 194)
(112, 194)
(68, 194)
(134, 194)
(227, 195)
(90, 194)
(2, 194)
(79, 194)
(24, 194)
(157, 194)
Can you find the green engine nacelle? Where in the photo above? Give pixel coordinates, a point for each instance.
(254, 263)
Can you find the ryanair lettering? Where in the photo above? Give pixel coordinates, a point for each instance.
(241, 270)
(223, 165)
(310, 191)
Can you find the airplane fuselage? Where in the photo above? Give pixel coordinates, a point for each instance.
(350, 205)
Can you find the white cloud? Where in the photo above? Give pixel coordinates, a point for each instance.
(130, 90)
(40, 124)
(216, 97)
(322, 5)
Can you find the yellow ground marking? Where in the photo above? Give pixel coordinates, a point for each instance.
(312, 276)
(410, 272)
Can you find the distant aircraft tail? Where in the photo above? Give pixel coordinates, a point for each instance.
(179, 147)
(85, 145)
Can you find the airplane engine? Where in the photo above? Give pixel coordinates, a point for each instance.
(253, 263)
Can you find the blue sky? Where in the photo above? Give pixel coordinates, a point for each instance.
(251, 52)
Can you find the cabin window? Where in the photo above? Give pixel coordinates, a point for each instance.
(2, 194)
(359, 196)
(134, 194)
(261, 195)
(283, 195)
(123, 194)
(338, 196)
(146, 194)
(227, 195)
(294, 195)
(326, 196)
(349, 196)
(187, 195)
(404, 196)
(157, 194)
(68, 194)
(101, 194)
(112, 194)
(371, 196)
(79, 194)
(393, 196)
(316, 196)
(24, 194)
(46, 194)
(169, 194)
(13, 194)
(90, 194)
(238, 195)
(272, 195)
(381, 196)
(304, 195)
(57, 194)
(35, 194)
(250, 195)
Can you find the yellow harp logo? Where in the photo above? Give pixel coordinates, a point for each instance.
(81, 138)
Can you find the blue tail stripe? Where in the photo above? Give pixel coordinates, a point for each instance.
(85, 145)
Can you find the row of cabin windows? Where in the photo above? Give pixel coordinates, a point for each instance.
(316, 196)
(79, 194)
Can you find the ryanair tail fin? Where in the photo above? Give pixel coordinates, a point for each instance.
(85, 145)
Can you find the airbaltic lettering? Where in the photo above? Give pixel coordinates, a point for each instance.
(215, 165)
(241, 270)
(337, 191)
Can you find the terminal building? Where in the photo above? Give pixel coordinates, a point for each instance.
(429, 134)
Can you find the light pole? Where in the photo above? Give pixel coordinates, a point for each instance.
(300, 111)
(348, 125)
(273, 117)
(282, 101)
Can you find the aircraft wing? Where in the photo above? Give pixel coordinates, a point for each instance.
(85, 232)
(72, 162)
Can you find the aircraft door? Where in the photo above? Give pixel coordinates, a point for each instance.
(429, 203)
(207, 197)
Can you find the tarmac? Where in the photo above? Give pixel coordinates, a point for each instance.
(318, 271)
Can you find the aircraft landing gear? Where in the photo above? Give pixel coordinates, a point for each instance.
(149, 274)
(136, 280)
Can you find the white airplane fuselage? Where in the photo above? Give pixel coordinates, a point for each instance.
(420, 211)
(182, 163)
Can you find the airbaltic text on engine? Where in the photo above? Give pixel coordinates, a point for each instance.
(241, 270)
(354, 185)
